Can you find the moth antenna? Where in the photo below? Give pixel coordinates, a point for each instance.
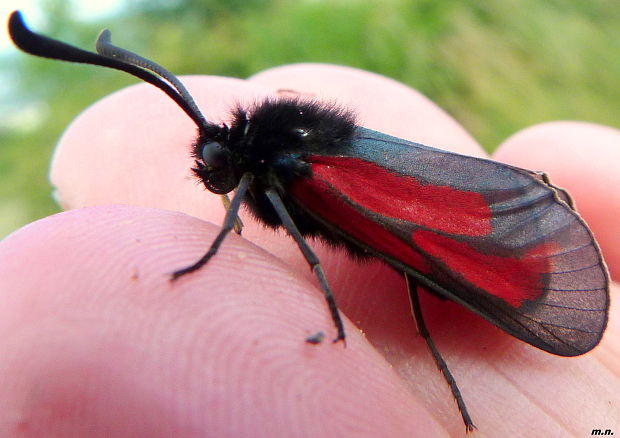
(40, 45)
(105, 48)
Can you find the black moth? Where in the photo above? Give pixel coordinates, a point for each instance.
(528, 263)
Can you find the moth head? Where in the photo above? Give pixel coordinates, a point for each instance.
(214, 166)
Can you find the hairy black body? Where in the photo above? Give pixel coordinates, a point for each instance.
(272, 141)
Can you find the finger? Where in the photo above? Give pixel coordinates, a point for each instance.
(134, 147)
(582, 158)
(97, 341)
(381, 103)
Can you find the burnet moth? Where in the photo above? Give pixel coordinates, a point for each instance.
(501, 241)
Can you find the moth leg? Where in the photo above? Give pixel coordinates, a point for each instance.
(416, 309)
(227, 226)
(238, 225)
(311, 258)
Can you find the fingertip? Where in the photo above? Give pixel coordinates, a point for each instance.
(220, 351)
(582, 158)
(134, 147)
(382, 104)
(564, 147)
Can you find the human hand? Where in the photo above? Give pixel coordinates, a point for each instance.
(97, 340)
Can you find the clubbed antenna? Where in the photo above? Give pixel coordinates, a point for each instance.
(109, 56)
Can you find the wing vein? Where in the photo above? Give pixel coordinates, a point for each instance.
(575, 270)
(568, 307)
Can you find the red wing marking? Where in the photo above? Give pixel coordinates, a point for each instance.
(377, 189)
(320, 198)
(512, 279)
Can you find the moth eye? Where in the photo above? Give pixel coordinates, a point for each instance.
(215, 155)
(301, 132)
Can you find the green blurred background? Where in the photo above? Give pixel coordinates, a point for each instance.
(496, 66)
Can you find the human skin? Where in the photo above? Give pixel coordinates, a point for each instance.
(96, 341)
